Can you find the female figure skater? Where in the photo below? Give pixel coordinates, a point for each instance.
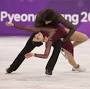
(51, 18)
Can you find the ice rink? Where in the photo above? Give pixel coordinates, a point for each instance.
(30, 75)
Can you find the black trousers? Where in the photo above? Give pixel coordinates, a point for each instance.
(54, 57)
(30, 45)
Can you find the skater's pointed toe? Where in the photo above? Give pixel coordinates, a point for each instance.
(9, 70)
(48, 72)
(79, 69)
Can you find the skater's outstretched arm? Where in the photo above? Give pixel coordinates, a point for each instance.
(46, 53)
(28, 28)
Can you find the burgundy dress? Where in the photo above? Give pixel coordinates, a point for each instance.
(61, 33)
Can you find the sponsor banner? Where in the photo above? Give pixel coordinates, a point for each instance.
(25, 11)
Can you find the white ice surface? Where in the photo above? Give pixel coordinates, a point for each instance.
(30, 75)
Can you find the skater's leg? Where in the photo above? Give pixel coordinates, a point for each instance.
(78, 37)
(30, 45)
(53, 59)
(72, 61)
(70, 58)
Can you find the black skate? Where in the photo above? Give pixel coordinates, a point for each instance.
(48, 72)
(9, 70)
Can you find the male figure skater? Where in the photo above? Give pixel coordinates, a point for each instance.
(30, 45)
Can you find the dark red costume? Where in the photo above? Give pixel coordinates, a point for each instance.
(61, 33)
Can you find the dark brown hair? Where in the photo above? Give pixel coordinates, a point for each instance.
(47, 15)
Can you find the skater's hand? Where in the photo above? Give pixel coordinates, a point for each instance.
(28, 55)
(9, 24)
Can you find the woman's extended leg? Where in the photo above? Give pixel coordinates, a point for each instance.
(30, 45)
(71, 60)
(78, 37)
